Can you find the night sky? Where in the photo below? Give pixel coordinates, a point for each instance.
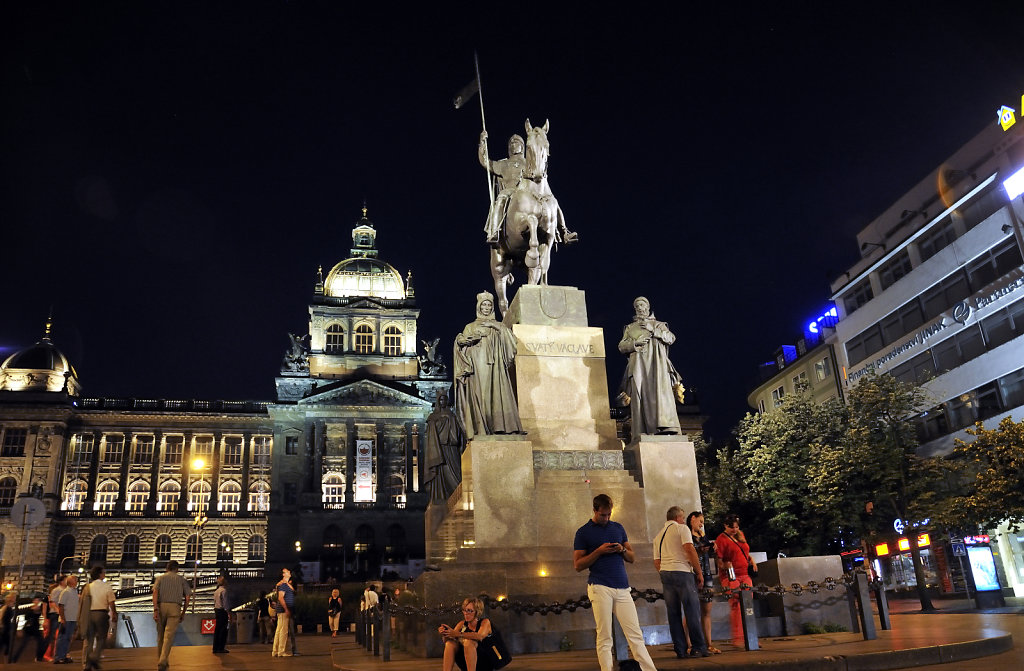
(173, 173)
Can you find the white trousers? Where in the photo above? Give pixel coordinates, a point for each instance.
(604, 602)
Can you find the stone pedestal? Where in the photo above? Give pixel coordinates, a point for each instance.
(667, 467)
(825, 607)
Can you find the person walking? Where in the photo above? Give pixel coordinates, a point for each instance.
(334, 611)
(32, 631)
(263, 619)
(602, 547)
(221, 611)
(67, 606)
(283, 605)
(53, 616)
(734, 570)
(170, 599)
(101, 610)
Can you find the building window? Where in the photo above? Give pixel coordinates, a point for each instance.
(335, 339)
(170, 492)
(194, 548)
(822, 369)
(8, 490)
(113, 449)
(857, 297)
(364, 538)
(777, 395)
(1012, 389)
(917, 371)
(203, 449)
(138, 496)
(392, 341)
(257, 548)
(14, 443)
(82, 450)
(199, 497)
(760, 405)
(98, 550)
(901, 322)
(864, 343)
(291, 445)
(225, 549)
(954, 351)
(290, 494)
(130, 550)
(174, 447)
(162, 549)
(364, 339)
(144, 450)
(993, 264)
(230, 497)
(259, 497)
(334, 491)
(800, 381)
(232, 451)
(106, 496)
(395, 490)
(261, 450)
(66, 547)
(74, 495)
(935, 240)
(895, 269)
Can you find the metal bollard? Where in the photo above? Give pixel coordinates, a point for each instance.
(853, 603)
(376, 620)
(867, 618)
(749, 621)
(883, 606)
(385, 631)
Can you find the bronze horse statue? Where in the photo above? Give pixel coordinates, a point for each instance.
(531, 222)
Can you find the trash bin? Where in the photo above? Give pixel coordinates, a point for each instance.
(245, 627)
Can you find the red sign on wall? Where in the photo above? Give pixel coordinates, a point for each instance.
(207, 625)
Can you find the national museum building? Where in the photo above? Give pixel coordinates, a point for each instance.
(329, 474)
(937, 299)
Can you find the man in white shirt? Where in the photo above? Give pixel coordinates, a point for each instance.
(101, 610)
(679, 568)
(67, 606)
(372, 600)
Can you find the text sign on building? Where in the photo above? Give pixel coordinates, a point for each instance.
(364, 471)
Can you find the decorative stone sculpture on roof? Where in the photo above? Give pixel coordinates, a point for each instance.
(297, 358)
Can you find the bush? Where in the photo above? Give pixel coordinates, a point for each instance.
(823, 628)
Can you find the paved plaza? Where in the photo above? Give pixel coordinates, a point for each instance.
(968, 640)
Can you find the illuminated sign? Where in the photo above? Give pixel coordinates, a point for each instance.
(1006, 117)
(1014, 184)
(904, 544)
(827, 320)
(976, 540)
(983, 566)
(364, 471)
(882, 549)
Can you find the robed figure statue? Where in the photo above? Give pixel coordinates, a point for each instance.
(445, 443)
(651, 381)
(484, 352)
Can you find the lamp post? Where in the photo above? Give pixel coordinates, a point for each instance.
(152, 569)
(200, 520)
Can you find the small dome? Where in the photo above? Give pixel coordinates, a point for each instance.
(41, 367)
(364, 276)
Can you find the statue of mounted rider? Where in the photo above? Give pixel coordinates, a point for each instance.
(524, 222)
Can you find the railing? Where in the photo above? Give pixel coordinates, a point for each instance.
(246, 407)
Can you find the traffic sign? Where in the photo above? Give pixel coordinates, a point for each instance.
(959, 549)
(208, 625)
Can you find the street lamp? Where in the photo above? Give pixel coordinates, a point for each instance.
(152, 569)
(200, 520)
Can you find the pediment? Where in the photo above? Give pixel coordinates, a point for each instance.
(364, 393)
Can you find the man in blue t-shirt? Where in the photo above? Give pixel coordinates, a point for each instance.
(601, 546)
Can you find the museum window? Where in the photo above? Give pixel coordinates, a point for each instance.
(203, 449)
(232, 451)
(194, 548)
(226, 549)
(8, 490)
(395, 550)
(81, 453)
(174, 448)
(364, 538)
(777, 395)
(98, 550)
(66, 547)
(392, 341)
(291, 496)
(138, 496)
(130, 550)
(144, 450)
(170, 492)
(291, 445)
(334, 492)
(364, 339)
(261, 450)
(822, 369)
(199, 497)
(106, 496)
(14, 443)
(936, 239)
(162, 549)
(332, 539)
(257, 548)
(895, 269)
(230, 497)
(113, 449)
(395, 490)
(857, 297)
(335, 339)
(74, 495)
(259, 497)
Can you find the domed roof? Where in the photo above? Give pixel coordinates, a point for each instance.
(44, 355)
(41, 367)
(364, 276)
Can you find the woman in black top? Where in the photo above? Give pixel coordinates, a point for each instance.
(334, 611)
(32, 628)
(705, 549)
(460, 641)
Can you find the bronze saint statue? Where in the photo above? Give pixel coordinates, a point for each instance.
(445, 444)
(651, 382)
(484, 351)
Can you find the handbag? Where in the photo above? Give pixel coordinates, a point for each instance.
(751, 569)
(492, 651)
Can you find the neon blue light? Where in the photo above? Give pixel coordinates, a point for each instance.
(1014, 184)
(828, 319)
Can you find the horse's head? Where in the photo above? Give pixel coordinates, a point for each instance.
(537, 149)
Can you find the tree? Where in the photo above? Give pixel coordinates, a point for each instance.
(992, 470)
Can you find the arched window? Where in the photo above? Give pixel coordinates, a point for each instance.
(259, 496)
(74, 495)
(138, 495)
(392, 341)
(130, 551)
(194, 548)
(257, 548)
(364, 538)
(332, 539)
(230, 497)
(335, 339)
(199, 497)
(334, 491)
(8, 490)
(106, 496)
(170, 492)
(98, 550)
(395, 490)
(395, 549)
(162, 549)
(364, 339)
(225, 549)
(65, 549)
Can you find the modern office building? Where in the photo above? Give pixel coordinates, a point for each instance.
(937, 299)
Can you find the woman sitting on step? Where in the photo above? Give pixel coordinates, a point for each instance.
(460, 641)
